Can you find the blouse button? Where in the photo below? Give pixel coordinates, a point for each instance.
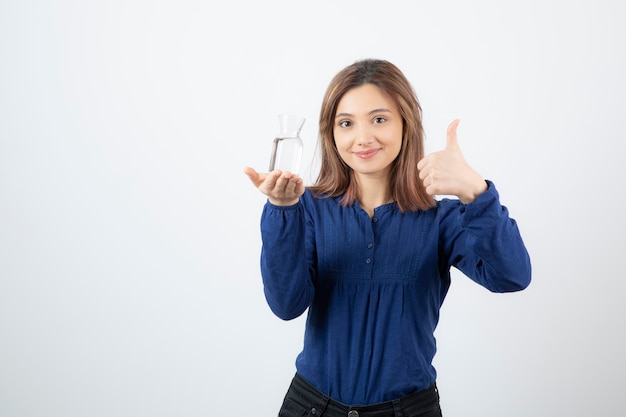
(370, 245)
(375, 219)
(368, 261)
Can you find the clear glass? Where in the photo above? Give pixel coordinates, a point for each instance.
(287, 146)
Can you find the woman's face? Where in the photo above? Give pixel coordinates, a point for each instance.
(368, 130)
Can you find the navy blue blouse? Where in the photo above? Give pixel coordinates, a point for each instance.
(373, 287)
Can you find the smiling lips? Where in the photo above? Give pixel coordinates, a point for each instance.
(367, 154)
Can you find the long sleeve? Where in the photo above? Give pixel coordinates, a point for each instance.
(373, 286)
(482, 241)
(287, 278)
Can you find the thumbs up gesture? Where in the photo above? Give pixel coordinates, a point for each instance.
(447, 173)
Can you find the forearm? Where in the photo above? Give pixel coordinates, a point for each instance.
(286, 279)
(497, 257)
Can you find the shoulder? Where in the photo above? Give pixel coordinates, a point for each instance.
(320, 206)
(312, 198)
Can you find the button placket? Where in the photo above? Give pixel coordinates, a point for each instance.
(369, 243)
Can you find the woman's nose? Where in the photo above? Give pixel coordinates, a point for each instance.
(364, 136)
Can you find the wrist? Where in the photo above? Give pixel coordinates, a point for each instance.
(475, 190)
(283, 203)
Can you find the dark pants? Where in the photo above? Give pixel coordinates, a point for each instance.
(303, 400)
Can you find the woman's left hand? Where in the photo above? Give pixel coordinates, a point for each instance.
(447, 173)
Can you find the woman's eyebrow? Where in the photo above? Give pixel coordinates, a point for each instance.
(382, 110)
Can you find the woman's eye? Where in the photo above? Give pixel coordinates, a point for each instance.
(345, 123)
(379, 120)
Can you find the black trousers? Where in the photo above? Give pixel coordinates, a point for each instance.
(303, 400)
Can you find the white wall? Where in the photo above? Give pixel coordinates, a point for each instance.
(129, 238)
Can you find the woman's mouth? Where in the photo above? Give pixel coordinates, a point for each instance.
(367, 154)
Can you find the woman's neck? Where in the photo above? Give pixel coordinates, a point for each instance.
(373, 192)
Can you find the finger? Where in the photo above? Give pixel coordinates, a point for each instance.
(451, 138)
(290, 187)
(273, 178)
(286, 182)
(423, 173)
(434, 184)
(254, 176)
(293, 178)
(299, 187)
(428, 186)
(292, 182)
(424, 167)
(430, 180)
(421, 164)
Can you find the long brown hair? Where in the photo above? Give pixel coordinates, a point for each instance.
(336, 178)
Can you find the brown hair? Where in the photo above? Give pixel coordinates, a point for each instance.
(336, 178)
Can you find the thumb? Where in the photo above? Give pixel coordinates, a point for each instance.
(451, 138)
(254, 176)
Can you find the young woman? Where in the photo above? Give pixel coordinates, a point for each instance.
(368, 249)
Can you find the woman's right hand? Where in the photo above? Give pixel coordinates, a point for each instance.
(281, 188)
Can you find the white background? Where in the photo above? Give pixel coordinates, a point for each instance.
(129, 235)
